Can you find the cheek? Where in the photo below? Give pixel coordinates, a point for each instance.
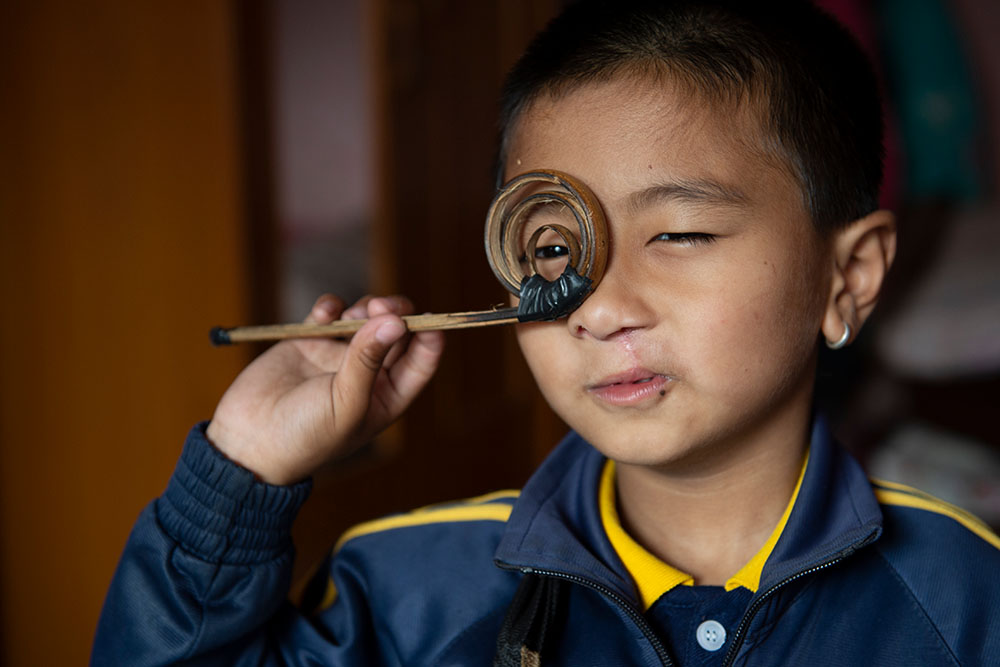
(540, 346)
(764, 318)
(545, 355)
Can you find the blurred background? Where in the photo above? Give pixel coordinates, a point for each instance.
(169, 166)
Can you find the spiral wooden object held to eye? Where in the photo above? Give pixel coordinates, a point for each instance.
(504, 226)
(507, 215)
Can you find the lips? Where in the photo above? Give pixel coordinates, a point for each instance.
(632, 388)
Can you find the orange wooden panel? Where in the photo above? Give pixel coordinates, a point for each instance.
(121, 243)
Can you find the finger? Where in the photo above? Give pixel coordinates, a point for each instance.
(415, 368)
(358, 310)
(396, 351)
(324, 354)
(326, 309)
(370, 306)
(398, 305)
(327, 355)
(352, 387)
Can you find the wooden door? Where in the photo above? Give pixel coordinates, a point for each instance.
(121, 239)
(481, 425)
(135, 213)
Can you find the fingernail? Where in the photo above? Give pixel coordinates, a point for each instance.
(389, 332)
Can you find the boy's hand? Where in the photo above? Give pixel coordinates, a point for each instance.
(304, 402)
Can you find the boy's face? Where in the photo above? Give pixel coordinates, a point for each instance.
(702, 334)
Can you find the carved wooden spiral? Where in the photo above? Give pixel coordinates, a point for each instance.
(510, 210)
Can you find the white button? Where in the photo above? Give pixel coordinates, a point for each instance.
(711, 635)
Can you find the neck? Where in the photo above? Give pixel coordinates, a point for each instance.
(722, 508)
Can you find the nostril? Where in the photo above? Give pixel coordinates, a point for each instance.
(624, 332)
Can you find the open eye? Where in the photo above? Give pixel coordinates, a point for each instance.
(548, 234)
(546, 252)
(551, 251)
(685, 238)
(550, 258)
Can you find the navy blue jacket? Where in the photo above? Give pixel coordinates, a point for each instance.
(864, 573)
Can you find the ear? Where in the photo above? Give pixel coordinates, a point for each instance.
(862, 254)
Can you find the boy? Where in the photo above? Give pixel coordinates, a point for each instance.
(699, 513)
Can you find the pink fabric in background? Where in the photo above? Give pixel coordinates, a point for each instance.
(859, 19)
(980, 22)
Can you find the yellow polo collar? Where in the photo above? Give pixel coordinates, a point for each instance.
(652, 576)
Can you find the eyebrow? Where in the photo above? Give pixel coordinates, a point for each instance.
(695, 192)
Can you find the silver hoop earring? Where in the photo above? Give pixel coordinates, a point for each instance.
(842, 342)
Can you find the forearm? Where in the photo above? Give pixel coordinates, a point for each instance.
(208, 564)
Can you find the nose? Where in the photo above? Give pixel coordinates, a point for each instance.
(615, 307)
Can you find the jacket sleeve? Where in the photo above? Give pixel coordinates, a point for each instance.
(205, 574)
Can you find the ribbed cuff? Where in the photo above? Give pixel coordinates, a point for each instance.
(218, 511)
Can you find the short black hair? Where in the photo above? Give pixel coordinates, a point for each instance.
(815, 91)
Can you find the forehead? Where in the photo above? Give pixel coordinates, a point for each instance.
(620, 134)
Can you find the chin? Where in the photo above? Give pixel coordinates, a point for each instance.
(649, 446)
(662, 446)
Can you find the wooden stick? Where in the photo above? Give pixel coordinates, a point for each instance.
(345, 328)
(504, 222)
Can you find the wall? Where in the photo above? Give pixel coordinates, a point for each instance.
(138, 208)
(121, 243)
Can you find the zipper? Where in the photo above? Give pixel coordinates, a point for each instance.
(621, 602)
(738, 636)
(647, 630)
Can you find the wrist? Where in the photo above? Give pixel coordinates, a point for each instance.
(243, 452)
(218, 511)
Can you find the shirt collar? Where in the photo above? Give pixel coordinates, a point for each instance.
(652, 576)
(556, 522)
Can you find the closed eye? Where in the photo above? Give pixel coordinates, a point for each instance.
(685, 238)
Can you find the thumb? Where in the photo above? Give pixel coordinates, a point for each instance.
(354, 382)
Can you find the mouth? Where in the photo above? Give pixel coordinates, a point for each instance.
(633, 387)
